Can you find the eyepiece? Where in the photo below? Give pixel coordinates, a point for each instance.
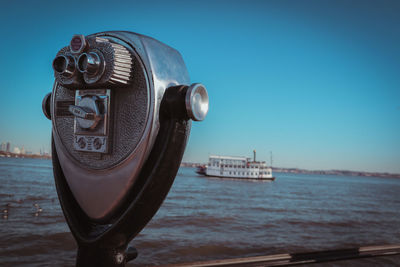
(89, 63)
(82, 62)
(64, 65)
(60, 64)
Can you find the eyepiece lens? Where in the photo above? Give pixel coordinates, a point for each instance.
(83, 62)
(89, 63)
(60, 64)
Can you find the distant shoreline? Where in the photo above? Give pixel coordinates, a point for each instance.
(4, 154)
(324, 172)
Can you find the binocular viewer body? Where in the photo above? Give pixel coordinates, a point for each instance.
(120, 108)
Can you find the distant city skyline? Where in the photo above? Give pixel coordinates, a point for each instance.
(315, 82)
(7, 146)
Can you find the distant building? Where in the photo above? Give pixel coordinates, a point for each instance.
(3, 147)
(22, 150)
(8, 147)
(16, 150)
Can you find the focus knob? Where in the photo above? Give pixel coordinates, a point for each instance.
(197, 102)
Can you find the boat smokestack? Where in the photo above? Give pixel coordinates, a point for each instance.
(254, 152)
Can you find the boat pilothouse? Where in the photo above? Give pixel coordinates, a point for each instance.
(236, 167)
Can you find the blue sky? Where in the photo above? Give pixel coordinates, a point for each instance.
(315, 82)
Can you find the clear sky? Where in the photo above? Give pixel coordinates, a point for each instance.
(315, 82)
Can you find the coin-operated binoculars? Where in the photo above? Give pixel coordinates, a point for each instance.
(120, 108)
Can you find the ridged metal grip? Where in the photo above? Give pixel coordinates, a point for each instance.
(122, 63)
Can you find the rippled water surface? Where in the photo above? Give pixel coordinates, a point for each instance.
(206, 218)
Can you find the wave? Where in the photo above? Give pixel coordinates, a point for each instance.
(191, 221)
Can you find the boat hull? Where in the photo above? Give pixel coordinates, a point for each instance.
(239, 178)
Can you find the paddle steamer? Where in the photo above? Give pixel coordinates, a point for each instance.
(236, 167)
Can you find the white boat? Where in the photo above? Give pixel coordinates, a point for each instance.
(236, 167)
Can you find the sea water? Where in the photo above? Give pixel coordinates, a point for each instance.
(210, 218)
